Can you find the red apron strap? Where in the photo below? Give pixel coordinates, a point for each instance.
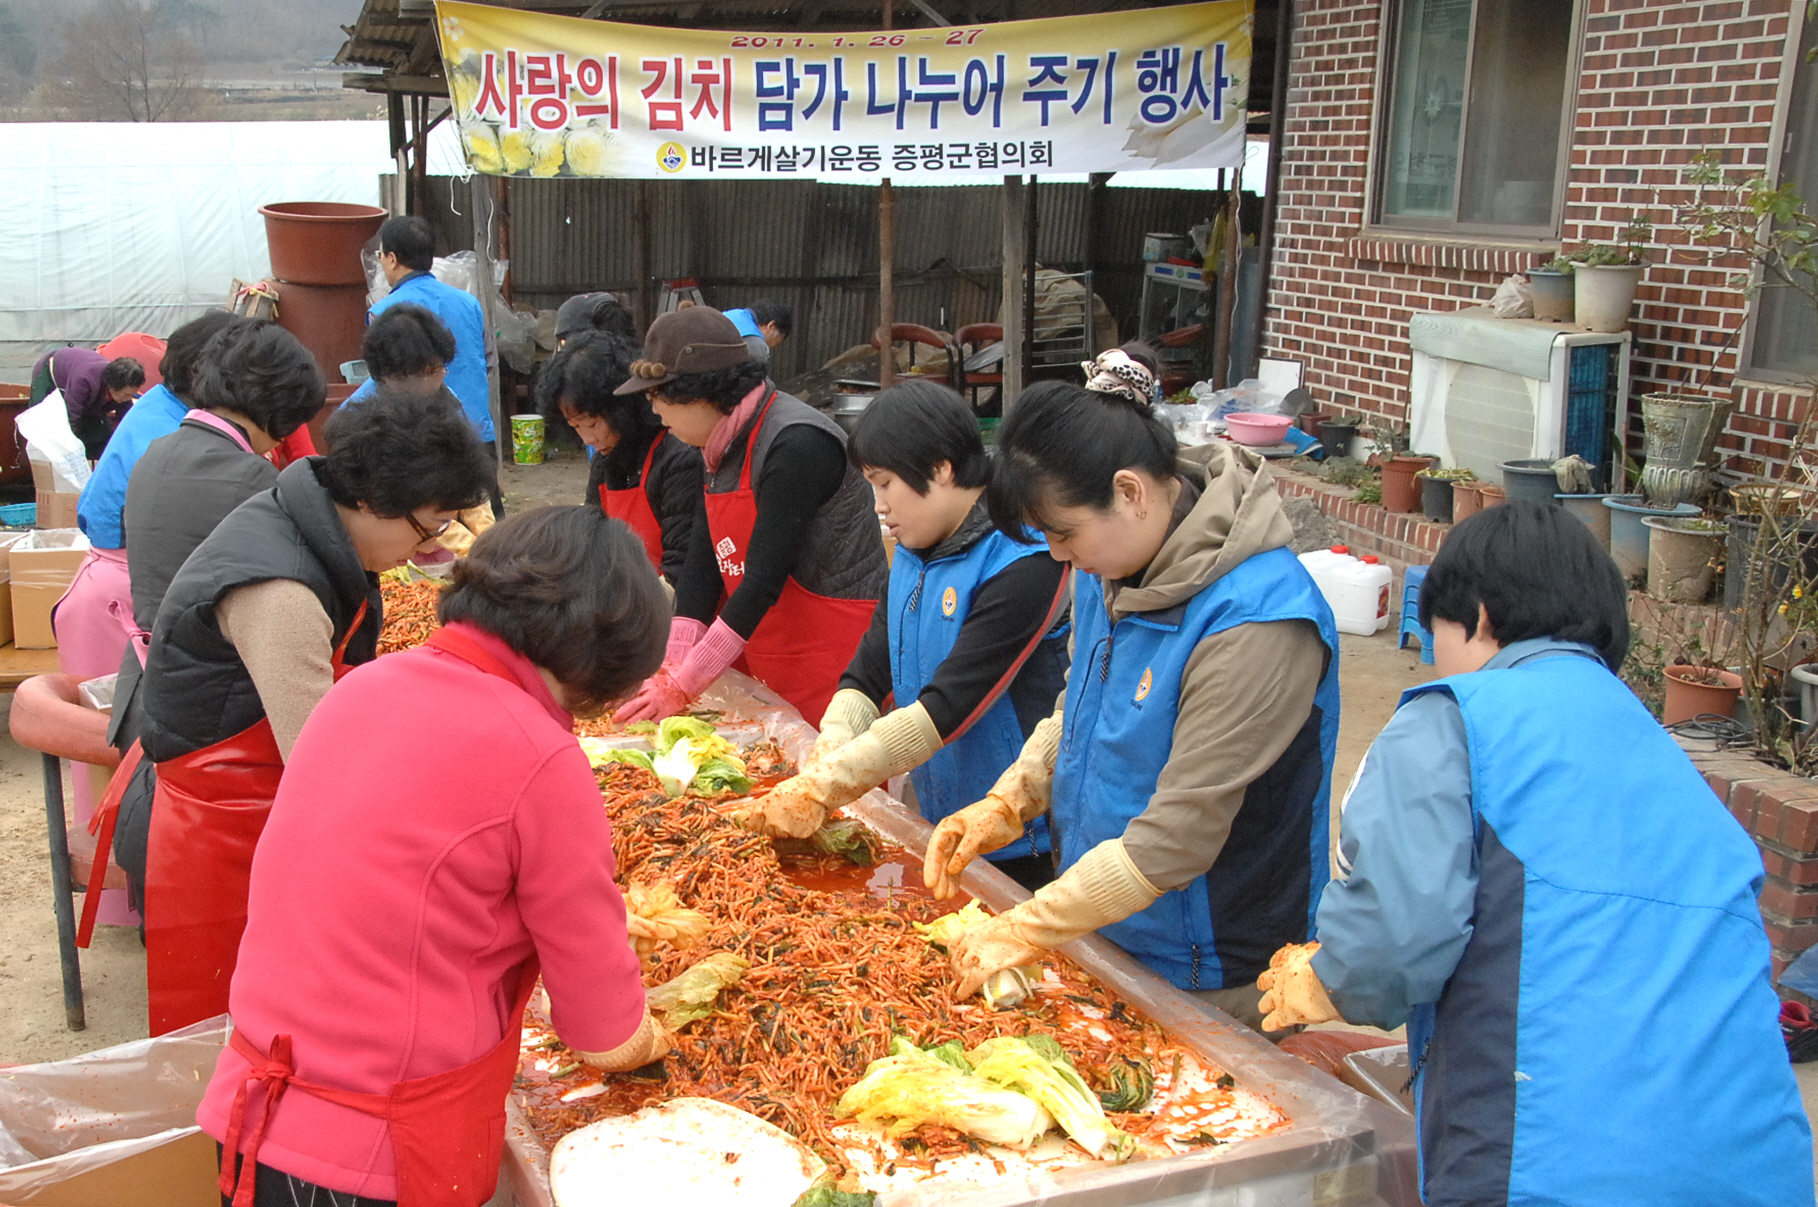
(751, 443)
(106, 814)
(274, 1072)
(358, 620)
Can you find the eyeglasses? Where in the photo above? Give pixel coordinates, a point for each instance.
(426, 534)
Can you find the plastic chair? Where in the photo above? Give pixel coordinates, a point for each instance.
(970, 339)
(1410, 614)
(48, 716)
(915, 334)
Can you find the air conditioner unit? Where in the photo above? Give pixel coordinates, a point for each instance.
(1485, 390)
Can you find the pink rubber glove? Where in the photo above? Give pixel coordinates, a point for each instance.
(683, 633)
(668, 692)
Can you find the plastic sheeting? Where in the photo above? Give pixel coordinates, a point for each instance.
(122, 226)
(1340, 1148)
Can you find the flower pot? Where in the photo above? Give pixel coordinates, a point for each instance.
(1603, 294)
(1758, 561)
(1399, 492)
(1490, 496)
(1629, 537)
(1336, 438)
(1311, 421)
(1552, 295)
(1806, 676)
(1530, 479)
(319, 242)
(1466, 501)
(1589, 511)
(1688, 697)
(1681, 432)
(1436, 499)
(1682, 557)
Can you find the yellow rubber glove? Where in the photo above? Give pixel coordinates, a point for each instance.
(1292, 994)
(1019, 796)
(649, 1042)
(796, 807)
(848, 714)
(1102, 888)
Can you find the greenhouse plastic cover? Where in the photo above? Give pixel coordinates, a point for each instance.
(139, 226)
(1340, 1149)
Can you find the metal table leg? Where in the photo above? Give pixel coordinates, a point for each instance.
(61, 888)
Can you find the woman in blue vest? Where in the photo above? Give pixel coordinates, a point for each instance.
(970, 639)
(1187, 771)
(1538, 882)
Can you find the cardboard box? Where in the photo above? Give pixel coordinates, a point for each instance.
(42, 564)
(174, 1169)
(7, 540)
(57, 509)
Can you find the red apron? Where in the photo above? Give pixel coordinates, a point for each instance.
(208, 811)
(805, 641)
(447, 1129)
(633, 507)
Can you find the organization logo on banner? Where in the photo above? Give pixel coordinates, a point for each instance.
(671, 157)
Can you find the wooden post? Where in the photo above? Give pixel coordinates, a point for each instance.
(886, 284)
(1226, 306)
(886, 266)
(646, 295)
(1016, 288)
(481, 201)
(1278, 124)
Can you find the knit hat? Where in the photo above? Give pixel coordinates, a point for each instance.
(576, 314)
(695, 340)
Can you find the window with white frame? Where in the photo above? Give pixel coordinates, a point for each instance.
(1473, 114)
(1785, 343)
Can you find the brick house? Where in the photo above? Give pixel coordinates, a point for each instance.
(1432, 147)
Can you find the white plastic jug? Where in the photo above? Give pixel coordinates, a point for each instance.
(1356, 589)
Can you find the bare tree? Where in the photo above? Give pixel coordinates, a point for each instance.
(128, 60)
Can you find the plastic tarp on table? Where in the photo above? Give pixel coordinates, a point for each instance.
(139, 226)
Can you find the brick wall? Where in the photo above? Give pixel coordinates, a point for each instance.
(1780, 811)
(1660, 82)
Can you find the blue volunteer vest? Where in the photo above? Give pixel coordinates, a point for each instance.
(1123, 696)
(460, 312)
(1609, 1037)
(928, 603)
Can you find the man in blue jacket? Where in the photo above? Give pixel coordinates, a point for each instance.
(406, 252)
(1537, 881)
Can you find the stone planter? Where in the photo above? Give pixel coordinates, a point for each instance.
(1553, 295)
(1629, 537)
(1603, 295)
(1805, 675)
(1693, 691)
(1682, 557)
(1589, 511)
(1680, 444)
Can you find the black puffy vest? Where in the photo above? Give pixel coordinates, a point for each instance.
(842, 553)
(196, 690)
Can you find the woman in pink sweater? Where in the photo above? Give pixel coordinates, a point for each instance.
(399, 917)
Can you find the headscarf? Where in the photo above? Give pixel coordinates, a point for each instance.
(1114, 372)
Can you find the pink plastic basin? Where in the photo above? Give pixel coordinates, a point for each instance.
(1247, 427)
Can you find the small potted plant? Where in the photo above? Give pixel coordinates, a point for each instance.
(1697, 685)
(1336, 434)
(1438, 492)
(1552, 286)
(1605, 275)
(1400, 492)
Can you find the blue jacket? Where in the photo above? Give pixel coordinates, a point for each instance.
(460, 312)
(1546, 888)
(1123, 697)
(928, 602)
(98, 512)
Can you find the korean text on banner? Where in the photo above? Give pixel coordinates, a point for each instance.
(540, 95)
